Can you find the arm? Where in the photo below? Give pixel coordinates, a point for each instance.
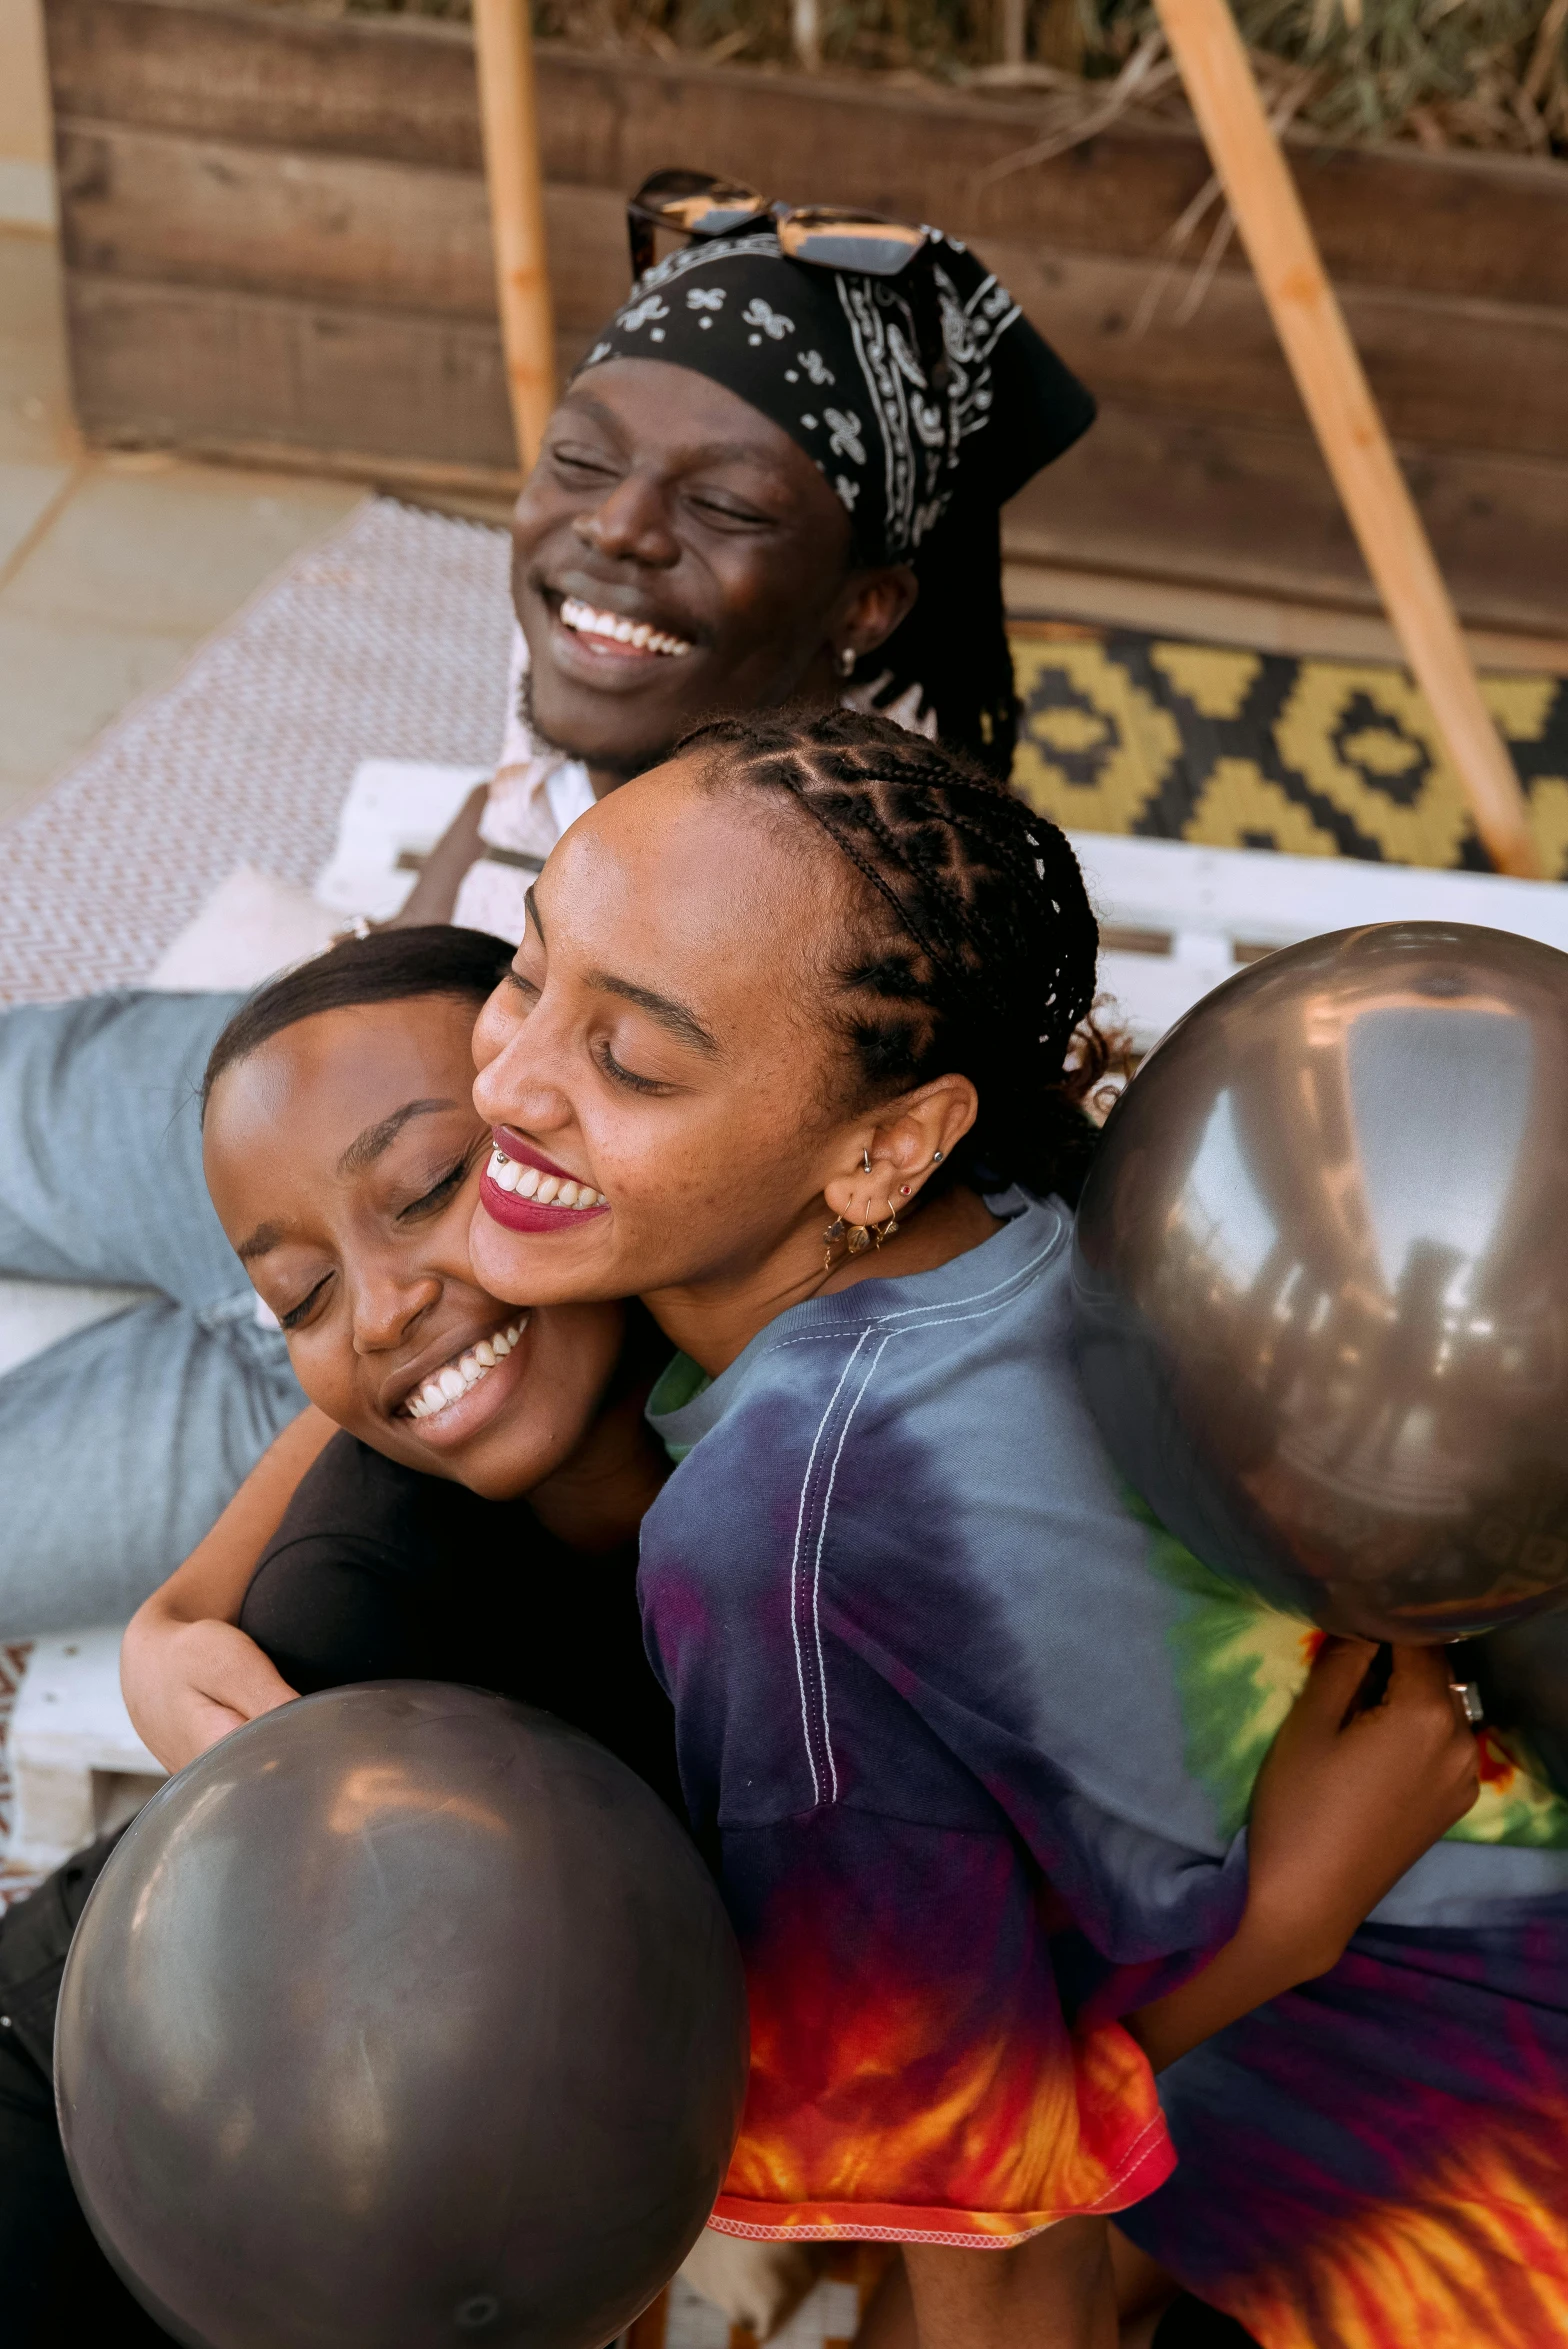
(1347, 1800)
(188, 1673)
(434, 894)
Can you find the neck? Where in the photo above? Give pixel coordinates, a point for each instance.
(595, 1500)
(817, 689)
(715, 1320)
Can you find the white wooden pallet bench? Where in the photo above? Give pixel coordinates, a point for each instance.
(1176, 920)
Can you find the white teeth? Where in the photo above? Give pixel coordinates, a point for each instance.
(548, 1186)
(456, 1379)
(504, 1172)
(528, 1182)
(584, 620)
(566, 1194)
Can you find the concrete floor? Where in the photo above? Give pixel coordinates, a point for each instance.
(112, 568)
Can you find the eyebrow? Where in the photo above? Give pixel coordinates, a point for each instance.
(681, 1022)
(265, 1236)
(367, 1147)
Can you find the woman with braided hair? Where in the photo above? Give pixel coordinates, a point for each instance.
(795, 1048)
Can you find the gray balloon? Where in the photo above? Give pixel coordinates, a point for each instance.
(407, 2015)
(1321, 1279)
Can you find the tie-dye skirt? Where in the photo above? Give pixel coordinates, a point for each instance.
(1380, 2159)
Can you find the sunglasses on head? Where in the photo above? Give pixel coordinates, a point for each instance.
(694, 204)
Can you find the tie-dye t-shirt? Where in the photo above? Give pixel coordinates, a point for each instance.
(971, 1741)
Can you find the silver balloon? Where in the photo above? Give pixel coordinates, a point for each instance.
(1321, 1279)
(406, 2016)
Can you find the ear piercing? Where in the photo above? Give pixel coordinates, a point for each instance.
(846, 660)
(858, 1237)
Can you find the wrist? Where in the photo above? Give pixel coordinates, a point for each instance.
(1292, 1937)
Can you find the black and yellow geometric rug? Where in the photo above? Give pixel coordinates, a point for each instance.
(1174, 741)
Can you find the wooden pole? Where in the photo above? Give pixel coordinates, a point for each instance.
(508, 113)
(1311, 326)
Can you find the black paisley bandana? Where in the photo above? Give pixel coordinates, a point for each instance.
(904, 392)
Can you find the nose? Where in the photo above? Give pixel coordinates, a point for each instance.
(388, 1304)
(519, 1087)
(631, 525)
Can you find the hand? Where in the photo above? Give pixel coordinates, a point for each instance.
(1347, 1800)
(188, 1684)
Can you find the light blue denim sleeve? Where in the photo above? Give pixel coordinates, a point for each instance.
(120, 1445)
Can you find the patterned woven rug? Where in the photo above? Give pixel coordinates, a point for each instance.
(1130, 733)
(389, 639)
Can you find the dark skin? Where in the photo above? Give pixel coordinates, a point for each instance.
(662, 498)
(343, 1157)
(635, 1046)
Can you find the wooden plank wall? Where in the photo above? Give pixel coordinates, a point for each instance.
(293, 209)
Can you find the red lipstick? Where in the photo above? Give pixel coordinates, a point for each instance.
(519, 1211)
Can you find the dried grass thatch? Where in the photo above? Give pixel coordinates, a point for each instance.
(1445, 73)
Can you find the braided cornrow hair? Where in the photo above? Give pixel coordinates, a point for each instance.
(976, 947)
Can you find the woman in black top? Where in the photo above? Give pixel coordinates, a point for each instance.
(487, 1537)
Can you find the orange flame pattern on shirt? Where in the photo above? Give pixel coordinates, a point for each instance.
(1474, 2252)
(883, 2108)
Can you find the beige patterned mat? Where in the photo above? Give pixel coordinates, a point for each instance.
(388, 638)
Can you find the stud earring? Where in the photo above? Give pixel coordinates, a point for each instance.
(865, 1160)
(903, 1190)
(846, 660)
(936, 1158)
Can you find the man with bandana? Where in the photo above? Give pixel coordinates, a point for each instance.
(772, 479)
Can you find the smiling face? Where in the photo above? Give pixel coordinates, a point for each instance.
(343, 1157)
(650, 1045)
(676, 554)
(666, 1041)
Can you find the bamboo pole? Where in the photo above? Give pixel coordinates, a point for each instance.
(1311, 326)
(508, 113)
